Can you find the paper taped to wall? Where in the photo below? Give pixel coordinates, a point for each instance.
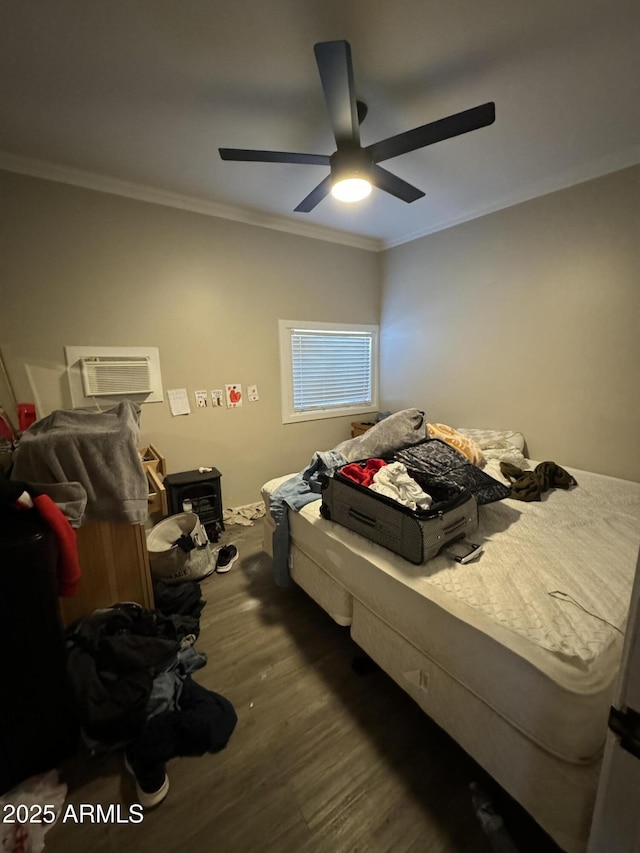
(178, 401)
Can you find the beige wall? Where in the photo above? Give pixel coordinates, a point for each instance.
(526, 319)
(82, 268)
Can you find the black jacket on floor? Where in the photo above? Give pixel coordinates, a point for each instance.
(113, 656)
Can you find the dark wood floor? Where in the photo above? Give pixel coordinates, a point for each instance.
(322, 760)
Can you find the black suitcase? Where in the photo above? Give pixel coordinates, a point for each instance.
(417, 535)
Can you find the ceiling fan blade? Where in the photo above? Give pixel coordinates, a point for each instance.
(248, 155)
(394, 185)
(435, 131)
(315, 196)
(336, 74)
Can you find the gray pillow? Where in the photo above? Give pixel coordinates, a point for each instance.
(402, 429)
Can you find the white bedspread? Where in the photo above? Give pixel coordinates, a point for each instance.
(582, 542)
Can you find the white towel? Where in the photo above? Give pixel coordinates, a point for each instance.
(394, 482)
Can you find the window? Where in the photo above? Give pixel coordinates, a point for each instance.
(327, 370)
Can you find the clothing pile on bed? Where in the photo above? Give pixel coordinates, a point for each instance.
(402, 457)
(390, 479)
(530, 485)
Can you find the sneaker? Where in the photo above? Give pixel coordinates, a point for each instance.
(227, 555)
(152, 786)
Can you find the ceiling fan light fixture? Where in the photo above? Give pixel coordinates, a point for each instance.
(351, 174)
(351, 189)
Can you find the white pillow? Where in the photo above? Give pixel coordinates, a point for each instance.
(505, 453)
(494, 438)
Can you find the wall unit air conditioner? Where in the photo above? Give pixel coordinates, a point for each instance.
(107, 377)
(111, 374)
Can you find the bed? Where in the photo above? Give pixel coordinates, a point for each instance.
(516, 654)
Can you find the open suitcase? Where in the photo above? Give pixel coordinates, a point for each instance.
(417, 535)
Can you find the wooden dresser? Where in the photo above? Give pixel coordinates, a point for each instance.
(115, 567)
(113, 554)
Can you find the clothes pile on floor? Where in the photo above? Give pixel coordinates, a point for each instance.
(181, 603)
(244, 515)
(131, 675)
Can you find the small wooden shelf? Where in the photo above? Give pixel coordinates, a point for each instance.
(152, 460)
(157, 494)
(155, 467)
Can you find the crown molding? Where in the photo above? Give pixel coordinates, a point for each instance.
(582, 174)
(141, 192)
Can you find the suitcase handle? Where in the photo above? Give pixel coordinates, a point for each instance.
(363, 519)
(452, 527)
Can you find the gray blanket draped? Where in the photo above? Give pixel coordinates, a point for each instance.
(96, 450)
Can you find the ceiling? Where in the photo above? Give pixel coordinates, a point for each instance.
(136, 96)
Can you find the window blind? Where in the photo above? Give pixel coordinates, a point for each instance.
(330, 369)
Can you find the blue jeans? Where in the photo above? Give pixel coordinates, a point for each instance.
(295, 493)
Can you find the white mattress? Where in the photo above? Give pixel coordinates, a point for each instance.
(543, 664)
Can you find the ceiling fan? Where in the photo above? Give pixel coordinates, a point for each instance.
(355, 168)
